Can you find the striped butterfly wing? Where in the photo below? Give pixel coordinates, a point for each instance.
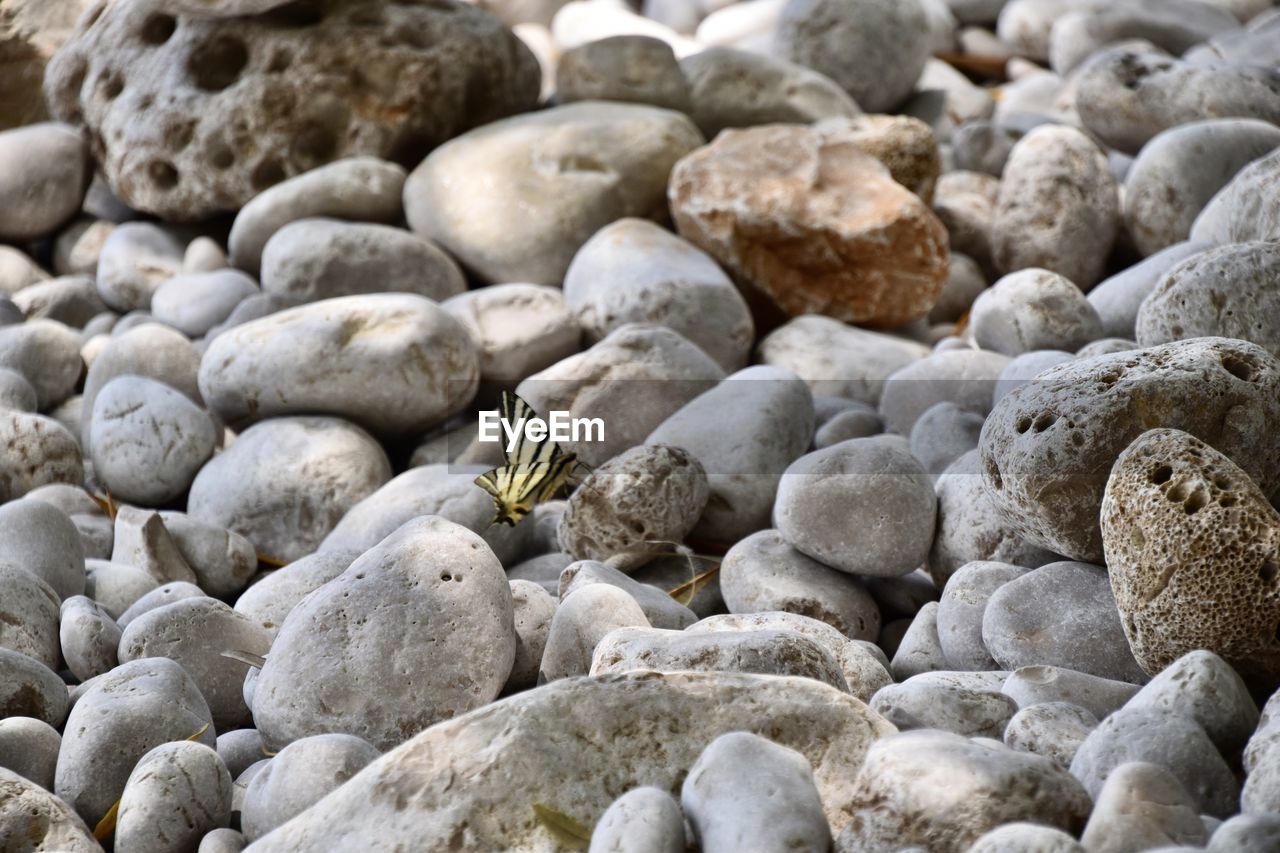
(517, 413)
(517, 489)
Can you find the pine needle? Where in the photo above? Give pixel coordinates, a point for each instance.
(567, 831)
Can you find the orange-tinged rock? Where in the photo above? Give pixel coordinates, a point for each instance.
(804, 218)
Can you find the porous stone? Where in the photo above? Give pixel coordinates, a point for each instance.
(629, 68)
(454, 654)
(176, 793)
(405, 364)
(1127, 97)
(643, 820)
(31, 818)
(88, 637)
(861, 248)
(148, 440)
(968, 704)
(118, 719)
(39, 538)
(864, 506)
(745, 790)
(633, 271)
(1164, 738)
(943, 790)
(763, 573)
(44, 452)
(519, 329)
(1052, 729)
(319, 258)
(363, 189)
(267, 97)
(762, 652)
(562, 724)
(44, 173)
(661, 609)
(1188, 538)
(298, 777)
(871, 48)
(581, 166)
(1212, 387)
(1141, 807)
(1061, 614)
(1033, 309)
(738, 88)
(633, 379)
(581, 621)
(965, 598)
(1218, 292)
(194, 303)
(1058, 206)
(286, 506)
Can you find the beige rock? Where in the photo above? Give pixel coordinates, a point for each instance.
(31, 818)
(549, 746)
(905, 145)
(1193, 548)
(812, 224)
(30, 32)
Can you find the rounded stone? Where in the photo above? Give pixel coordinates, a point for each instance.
(943, 434)
(1019, 837)
(534, 608)
(28, 688)
(344, 662)
(968, 704)
(135, 258)
(1033, 309)
(193, 303)
(286, 505)
(44, 173)
(270, 600)
(519, 329)
(44, 452)
(864, 506)
(966, 377)
(89, 637)
(148, 440)
(157, 597)
(396, 363)
(628, 68)
(1054, 730)
(39, 538)
(1035, 685)
(176, 794)
(34, 819)
(298, 777)
(580, 622)
(47, 354)
(29, 748)
(643, 820)
(965, 599)
(116, 586)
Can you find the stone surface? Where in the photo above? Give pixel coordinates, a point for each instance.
(29, 748)
(47, 354)
(965, 599)
(861, 248)
(266, 98)
(176, 793)
(966, 377)
(31, 818)
(580, 622)
(28, 688)
(44, 453)
(39, 538)
(519, 329)
(271, 599)
(1033, 309)
(345, 661)
(1242, 211)
(628, 68)
(1142, 807)
(1211, 387)
(88, 636)
(661, 609)
(1033, 685)
(298, 777)
(44, 173)
(530, 742)
(643, 820)
(581, 166)
(968, 704)
(1052, 729)
(1189, 543)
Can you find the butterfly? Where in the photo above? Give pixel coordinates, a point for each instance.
(534, 472)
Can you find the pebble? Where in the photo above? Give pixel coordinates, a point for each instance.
(567, 720)
(1019, 837)
(38, 537)
(661, 609)
(1038, 684)
(1127, 97)
(746, 791)
(44, 173)
(1167, 739)
(858, 421)
(158, 597)
(763, 573)
(47, 354)
(29, 748)
(519, 329)
(1033, 309)
(72, 300)
(919, 650)
(1033, 434)
(1119, 298)
(643, 820)
(298, 777)
(1168, 26)
(223, 840)
(1246, 833)
(135, 259)
(286, 506)
(1205, 688)
(318, 258)
(1024, 369)
(148, 440)
(196, 302)
(223, 561)
(744, 432)
(28, 616)
(964, 601)
(854, 245)
(633, 271)
(628, 68)
(943, 790)
(968, 704)
(738, 88)
(1061, 614)
(965, 377)
(141, 540)
(121, 717)
(240, 748)
(641, 500)
(77, 246)
(943, 434)
(18, 271)
(534, 608)
(36, 819)
(871, 48)
(176, 793)
(864, 506)
(28, 688)
(45, 452)
(89, 637)
(581, 621)
(116, 586)
(1142, 807)
(1241, 211)
(337, 644)
(1054, 730)
(762, 652)
(360, 357)
(16, 392)
(469, 195)
(1191, 559)
(1058, 207)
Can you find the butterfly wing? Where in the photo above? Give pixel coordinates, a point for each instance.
(517, 412)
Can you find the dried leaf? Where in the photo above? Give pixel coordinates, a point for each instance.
(107, 825)
(108, 505)
(203, 729)
(247, 658)
(273, 562)
(991, 67)
(687, 591)
(567, 831)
